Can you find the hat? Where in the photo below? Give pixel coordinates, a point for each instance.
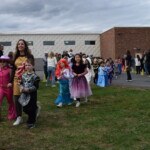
(4, 58)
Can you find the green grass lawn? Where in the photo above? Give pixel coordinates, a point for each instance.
(115, 119)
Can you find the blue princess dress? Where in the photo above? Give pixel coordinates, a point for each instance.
(64, 93)
(101, 77)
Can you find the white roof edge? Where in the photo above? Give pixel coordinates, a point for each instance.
(42, 33)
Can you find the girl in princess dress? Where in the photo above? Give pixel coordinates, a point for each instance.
(101, 75)
(63, 76)
(6, 89)
(109, 72)
(80, 87)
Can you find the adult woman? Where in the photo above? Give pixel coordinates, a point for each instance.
(51, 66)
(21, 55)
(138, 64)
(128, 65)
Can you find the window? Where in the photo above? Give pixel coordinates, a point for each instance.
(5, 43)
(48, 42)
(69, 42)
(89, 42)
(30, 43)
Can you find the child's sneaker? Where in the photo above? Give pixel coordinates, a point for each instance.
(59, 105)
(78, 104)
(18, 121)
(30, 126)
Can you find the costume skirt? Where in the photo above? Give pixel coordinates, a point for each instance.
(64, 93)
(80, 87)
(101, 81)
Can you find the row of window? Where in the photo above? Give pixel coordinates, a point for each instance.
(50, 43)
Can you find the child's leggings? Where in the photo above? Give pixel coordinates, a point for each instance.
(8, 92)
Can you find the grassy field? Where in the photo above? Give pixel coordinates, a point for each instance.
(115, 119)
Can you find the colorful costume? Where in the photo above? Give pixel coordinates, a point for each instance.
(20, 69)
(80, 87)
(5, 91)
(29, 99)
(64, 94)
(110, 73)
(101, 77)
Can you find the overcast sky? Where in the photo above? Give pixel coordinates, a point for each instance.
(72, 15)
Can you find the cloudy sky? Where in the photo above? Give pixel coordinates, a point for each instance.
(72, 15)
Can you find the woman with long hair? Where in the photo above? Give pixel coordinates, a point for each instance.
(22, 53)
(138, 64)
(51, 67)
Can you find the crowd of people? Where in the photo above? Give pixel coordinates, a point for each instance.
(74, 72)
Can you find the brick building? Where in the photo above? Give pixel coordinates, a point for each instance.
(116, 41)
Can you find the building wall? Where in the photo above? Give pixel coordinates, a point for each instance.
(107, 44)
(38, 49)
(135, 39)
(116, 41)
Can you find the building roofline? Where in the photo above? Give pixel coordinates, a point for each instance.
(114, 28)
(47, 33)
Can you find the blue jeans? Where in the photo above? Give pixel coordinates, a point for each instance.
(51, 72)
(146, 69)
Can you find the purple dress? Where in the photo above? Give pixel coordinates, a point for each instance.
(80, 87)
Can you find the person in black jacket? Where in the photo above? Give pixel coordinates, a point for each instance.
(1, 50)
(128, 65)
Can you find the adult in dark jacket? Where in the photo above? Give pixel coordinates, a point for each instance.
(1, 50)
(128, 65)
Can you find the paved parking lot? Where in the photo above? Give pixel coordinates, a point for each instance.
(138, 81)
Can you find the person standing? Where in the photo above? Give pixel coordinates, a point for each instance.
(128, 65)
(28, 88)
(80, 87)
(51, 67)
(21, 55)
(6, 89)
(45, 64)
(101, 75)
(1, 50)
(138, 64)
(63, 76)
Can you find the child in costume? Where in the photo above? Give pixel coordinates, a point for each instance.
(6, 89)
(109, 72)
(101, 75)
(80, 87)
(116, 69)
(63, 76)
(28, 88)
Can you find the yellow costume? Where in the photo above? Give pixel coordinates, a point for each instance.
(20, 69)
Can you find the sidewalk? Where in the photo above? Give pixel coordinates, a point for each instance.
(138, 81)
